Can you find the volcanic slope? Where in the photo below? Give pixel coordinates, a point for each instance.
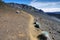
(20, 26)
(15, 26)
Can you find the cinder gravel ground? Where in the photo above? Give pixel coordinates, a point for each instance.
(20, 26)
(14, 26)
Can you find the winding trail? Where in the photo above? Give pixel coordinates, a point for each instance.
(31, 28)
(17, 26)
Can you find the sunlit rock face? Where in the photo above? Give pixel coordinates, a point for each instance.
(44, 35)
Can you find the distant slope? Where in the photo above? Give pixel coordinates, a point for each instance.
(56, 14)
